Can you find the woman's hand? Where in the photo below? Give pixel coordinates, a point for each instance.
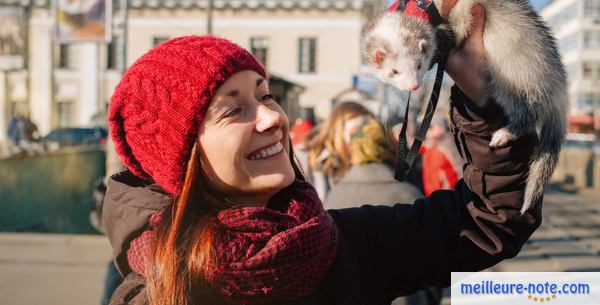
(466, 62)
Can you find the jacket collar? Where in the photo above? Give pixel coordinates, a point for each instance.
(127, 207)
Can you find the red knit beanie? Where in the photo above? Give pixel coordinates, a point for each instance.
(158, 106)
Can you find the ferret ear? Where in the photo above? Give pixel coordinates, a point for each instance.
(423, 45)
(378, 56)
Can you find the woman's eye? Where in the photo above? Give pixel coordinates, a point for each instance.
(232, 112)
(267, 97)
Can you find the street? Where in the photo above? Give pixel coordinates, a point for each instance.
(54, 269)
(568, 239)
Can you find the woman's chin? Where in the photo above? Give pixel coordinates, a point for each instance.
(274, 182)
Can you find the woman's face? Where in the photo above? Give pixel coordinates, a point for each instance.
(244, 142)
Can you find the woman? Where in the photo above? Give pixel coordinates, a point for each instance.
(213, 209)
(327, 149)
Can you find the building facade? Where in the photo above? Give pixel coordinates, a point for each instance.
(576, 26)
(313, 44)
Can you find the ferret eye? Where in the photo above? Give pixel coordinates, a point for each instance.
(419, 67)
(395, 71)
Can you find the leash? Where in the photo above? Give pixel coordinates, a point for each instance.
(445, 42)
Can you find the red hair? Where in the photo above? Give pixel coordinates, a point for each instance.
(182, 251)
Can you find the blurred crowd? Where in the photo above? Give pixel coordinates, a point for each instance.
(350, 157)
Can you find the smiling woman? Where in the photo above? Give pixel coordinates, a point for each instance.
(251, 162)
(213, 209)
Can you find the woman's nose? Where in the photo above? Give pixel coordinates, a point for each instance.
(267, 118)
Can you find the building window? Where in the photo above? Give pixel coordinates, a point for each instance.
(259, 46)
(65, 114)
(307, 55)
(591, 40)
(64, 57)
(587, 70)
(111, 54)
(591, 8)
(158, 39)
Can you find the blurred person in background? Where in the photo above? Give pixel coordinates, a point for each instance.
(301, 127)
(328, 153)
(370, 179)
(442, 164)
(299, 132)
(12, 132)
(22, 132)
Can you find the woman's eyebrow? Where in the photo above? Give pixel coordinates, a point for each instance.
(235, 92)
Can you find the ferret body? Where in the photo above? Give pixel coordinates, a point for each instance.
(523, 67)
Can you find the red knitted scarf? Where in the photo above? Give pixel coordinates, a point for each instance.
(276, 253)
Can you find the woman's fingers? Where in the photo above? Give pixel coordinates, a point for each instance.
(466, 63)
(474, 42)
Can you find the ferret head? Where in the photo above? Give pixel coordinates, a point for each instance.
(400, 48)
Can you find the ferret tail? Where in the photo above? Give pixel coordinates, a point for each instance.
(545, 158)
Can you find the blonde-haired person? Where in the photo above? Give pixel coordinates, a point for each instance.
(214, 210)
(370, 180)
(326, 148)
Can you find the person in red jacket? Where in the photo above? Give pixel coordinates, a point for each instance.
(442, 165)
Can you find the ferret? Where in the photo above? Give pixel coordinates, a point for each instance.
(526, 77)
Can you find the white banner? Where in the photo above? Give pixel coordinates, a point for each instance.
(525, 288)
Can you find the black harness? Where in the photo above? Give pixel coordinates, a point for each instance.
(445, 42)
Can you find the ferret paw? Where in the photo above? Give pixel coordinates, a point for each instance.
(501, 137)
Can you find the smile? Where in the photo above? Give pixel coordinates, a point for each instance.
(267, 152)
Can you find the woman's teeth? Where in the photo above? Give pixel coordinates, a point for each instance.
(267, 152)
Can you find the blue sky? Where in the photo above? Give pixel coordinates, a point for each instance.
(537, 4)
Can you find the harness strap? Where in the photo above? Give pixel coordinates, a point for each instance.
(405, 157)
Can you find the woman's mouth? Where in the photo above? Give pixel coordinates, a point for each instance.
(267, 152)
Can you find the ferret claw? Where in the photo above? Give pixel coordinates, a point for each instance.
(501, 137)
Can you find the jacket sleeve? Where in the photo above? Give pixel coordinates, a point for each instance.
(398, 250)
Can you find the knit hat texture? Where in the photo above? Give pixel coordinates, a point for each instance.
(157, 108)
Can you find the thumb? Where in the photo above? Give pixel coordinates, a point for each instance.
(475, 38)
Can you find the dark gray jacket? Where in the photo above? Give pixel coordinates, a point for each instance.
(389, 251)
(371, 183)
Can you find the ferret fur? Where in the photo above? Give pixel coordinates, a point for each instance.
(523, 66)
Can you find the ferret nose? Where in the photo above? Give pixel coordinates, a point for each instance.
(413, 87)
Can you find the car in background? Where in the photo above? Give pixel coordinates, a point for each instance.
(74, 136)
